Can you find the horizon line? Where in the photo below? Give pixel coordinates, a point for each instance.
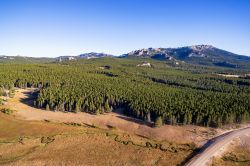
(116, 55)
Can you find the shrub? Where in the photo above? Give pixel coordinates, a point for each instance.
(7, 111)
(158, 122)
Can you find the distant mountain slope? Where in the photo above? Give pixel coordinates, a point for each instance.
(198, 54)
(22, 59)
(94, 55)
(90, 55)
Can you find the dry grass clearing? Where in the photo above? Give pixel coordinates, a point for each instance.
(180, 134)
(43, 143)
(96, 149)
(11, 128)
(34, 136)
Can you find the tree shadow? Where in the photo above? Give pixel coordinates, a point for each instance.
(29, 100)
(131, 119)
(30, 96)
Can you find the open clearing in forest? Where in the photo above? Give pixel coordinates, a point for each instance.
(181, 134)
(39, 137)
(46, 143)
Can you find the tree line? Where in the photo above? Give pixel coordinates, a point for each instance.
(156, 94)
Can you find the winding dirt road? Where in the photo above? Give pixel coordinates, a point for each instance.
(215, 146)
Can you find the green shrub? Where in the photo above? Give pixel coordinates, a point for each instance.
(47, 140)
(158, 122)
(7, 111)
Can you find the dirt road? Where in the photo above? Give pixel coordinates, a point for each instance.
(216, 146)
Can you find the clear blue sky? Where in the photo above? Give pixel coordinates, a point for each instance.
(70, 27)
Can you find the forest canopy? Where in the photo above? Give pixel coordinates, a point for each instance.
(161, 93)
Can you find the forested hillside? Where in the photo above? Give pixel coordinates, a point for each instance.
(161, 92)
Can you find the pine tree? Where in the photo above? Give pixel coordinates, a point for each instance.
(34, 103)
(218, 122)
(158, 121)
(77, 109)
(106, 106)
(189, 118)
(47, 107)
(185, 119)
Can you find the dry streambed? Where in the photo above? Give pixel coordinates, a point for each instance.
(21, 150)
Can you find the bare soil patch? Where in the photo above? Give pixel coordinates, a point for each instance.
(11, 128)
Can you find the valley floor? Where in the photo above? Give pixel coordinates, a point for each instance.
(34, 136)
(46, 143)
(22, 105)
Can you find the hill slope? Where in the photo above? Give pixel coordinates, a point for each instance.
(206, 55)
(198, 54)
(24, 60)
(91, 55)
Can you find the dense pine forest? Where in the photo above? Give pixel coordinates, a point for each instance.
(159, 93)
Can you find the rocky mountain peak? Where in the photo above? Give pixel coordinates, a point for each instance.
(93, 55)
(201, 47)
(196, 54)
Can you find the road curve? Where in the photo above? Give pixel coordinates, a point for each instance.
(215, 145)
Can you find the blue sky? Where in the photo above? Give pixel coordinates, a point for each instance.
(70, 27)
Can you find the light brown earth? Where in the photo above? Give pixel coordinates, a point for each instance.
(34, 136)
(181, 134)
(44, 143)
(11, 128)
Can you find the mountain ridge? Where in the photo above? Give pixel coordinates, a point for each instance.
(196, 54)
